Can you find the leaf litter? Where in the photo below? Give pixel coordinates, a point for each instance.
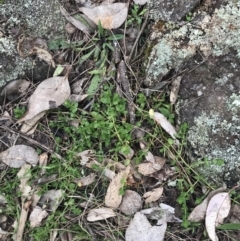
(50, 94)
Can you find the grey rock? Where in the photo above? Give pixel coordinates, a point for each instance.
(171, 10)
(36, 19)
(209, 48)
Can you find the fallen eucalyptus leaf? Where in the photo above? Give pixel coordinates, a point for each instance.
(113, 198)
(165, 124)
(140, 229)
(18, 155)
(100, 214)
(36, 216)
(111, 16)
(218, 209)
(85, 181)
(153, 195)
(49, 94)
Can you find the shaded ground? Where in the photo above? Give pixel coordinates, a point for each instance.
(107, 128)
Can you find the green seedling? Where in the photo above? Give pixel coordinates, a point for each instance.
(19, 112)
(136, 15)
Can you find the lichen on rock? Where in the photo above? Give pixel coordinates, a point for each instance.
(37, 19)
(209, 98)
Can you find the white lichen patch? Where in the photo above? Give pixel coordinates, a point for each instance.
(233, 103)
(214, 36)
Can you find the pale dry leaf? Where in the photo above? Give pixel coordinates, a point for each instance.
(2, 232)
(131, 202)
(43, 160)
(153, 195)
(3, 199)
(149, 156)
(118, 166)
(85, 181)
(43, 54)
(113, 198)
(36, 216)
(29, 126)
(140, 2)
(52, 198)
(76, 87)
(140, 229)
(218, 209)
(70, 29)
(86, 25)
(49, 94)
(149, 168)
(199, 212)
(24, 175)
(100, 214)
(15, 88)
(163, 122)
(77, 98)
(175, 89)
(86, 156)
(111, 16)
(18, 155)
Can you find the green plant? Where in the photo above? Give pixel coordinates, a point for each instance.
(19, 112)
(136, 15)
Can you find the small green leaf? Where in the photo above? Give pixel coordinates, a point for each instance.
(230, 226)
(58, 70)
(94, 84)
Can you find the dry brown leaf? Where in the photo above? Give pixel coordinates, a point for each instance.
(86, 156)
(49, 94)
(24, 175)
(18, 155)
(86, 25)
(175, 89)
(218, 209)
(100, 214)
(153, 195)
(131, 202)
(43, 159)
(111, 16)
(113, 198)
(15, 88)
(43, 54)
(77, 98)
(85, 181)
(199, 212)
(52, 199)
(165, 124)
(140, 229)
(149, 168)
(29, 126)
(36, 216)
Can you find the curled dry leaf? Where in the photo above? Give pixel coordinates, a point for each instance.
(85, 181)
(140, 229)
(49, 94)
(43, 159)
(43, 54)
(218, 209)
(128, 154)
(77, 98)
(165, 124)
(86, 156)
(84, 23)
(52, 199)
(199, 212)
(18, 155)
(100, 214)
(24, 175)
(76, 87)
(131, 202)
(175, 89)
(153, 195)
(15, 88)
(113, 198)
(36, 216)
(29, 126)
(149, 168)
(111, 16)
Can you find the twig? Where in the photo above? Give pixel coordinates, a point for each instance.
(122, 71)
(22, 220)
(33, 141)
